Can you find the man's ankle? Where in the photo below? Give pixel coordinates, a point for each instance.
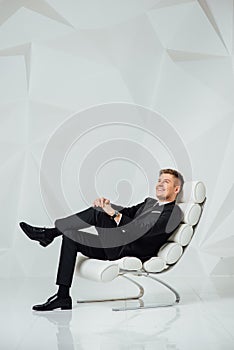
(63, 291)
(53, 233)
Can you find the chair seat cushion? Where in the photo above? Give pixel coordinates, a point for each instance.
(170, 252)
(193, 191)
(182, 235)
(191, 211)
(129, 263)
(97, 270)
(154, 264)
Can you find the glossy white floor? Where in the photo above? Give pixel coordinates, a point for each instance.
(203, 319)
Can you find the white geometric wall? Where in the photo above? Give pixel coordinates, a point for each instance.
(60, 58)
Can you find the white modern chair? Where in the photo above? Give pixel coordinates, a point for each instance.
(191, 201)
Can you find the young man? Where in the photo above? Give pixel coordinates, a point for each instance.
(138, 231)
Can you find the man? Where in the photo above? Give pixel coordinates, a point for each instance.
(138, 231)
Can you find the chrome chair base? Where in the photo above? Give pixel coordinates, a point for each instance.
(140, 294)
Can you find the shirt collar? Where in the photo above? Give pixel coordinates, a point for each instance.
(162, 203)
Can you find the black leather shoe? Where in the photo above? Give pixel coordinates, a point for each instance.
(38, 233)
(54, 302)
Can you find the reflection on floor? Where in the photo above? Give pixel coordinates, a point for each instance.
(203, 319)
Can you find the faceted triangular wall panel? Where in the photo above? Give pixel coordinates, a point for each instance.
(58, 59)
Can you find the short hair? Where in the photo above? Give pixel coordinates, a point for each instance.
(175, 173)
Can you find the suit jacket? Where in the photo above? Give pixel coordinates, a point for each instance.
(144, 228)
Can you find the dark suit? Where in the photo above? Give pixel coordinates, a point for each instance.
(143, 229)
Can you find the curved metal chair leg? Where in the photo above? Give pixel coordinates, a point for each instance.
(142, 306)
(177, 300)
(140, 294)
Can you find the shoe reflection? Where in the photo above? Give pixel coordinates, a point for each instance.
(155, 334)
(61, 319)
(151, 336)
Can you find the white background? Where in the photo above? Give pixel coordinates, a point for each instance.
(59, 58)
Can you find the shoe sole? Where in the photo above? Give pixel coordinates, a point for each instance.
(56, 308)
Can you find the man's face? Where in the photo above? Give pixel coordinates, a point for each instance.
(167, 188)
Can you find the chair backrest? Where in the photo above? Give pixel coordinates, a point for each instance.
(190, 201)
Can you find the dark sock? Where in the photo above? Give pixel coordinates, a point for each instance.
(53, 232)
(63, 291)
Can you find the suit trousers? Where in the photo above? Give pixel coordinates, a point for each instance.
(74, 241)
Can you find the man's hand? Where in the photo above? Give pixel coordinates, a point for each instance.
(99, 202)
(104, 203)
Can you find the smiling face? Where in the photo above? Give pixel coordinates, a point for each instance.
(167, 188)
